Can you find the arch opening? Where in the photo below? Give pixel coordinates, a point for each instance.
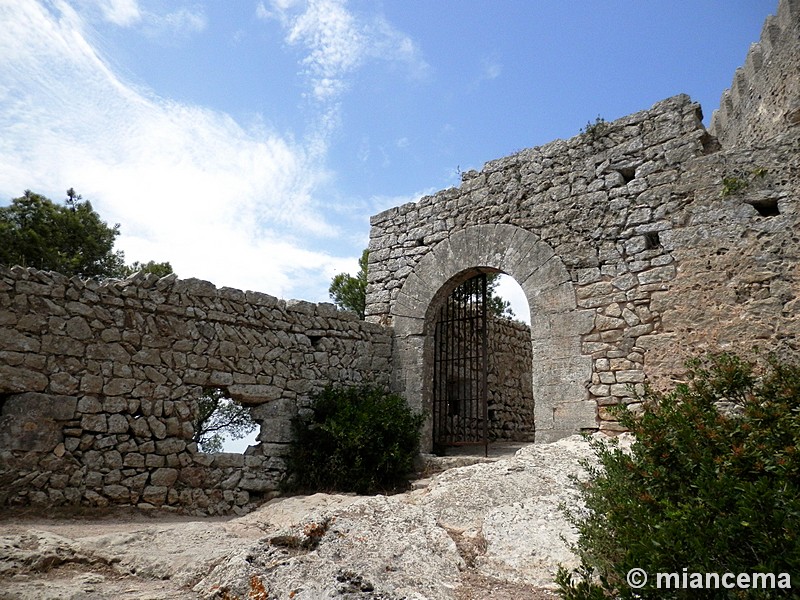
(560, 373)
(480, 374)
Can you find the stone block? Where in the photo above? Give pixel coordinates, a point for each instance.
(17, 379)
(157, 426)
(170, 446)
(133, 459)
(117, 493)
(254, 394)
(96, 423)
(228, 459)
(154, 494)
(164, 477)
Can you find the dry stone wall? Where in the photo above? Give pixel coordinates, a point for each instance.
(510, 396)
(639, 243)
(99, 382)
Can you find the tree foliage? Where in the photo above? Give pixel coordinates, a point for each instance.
(497, 305)
(161, 269)
(219, 417)
(703, 489)
(71, 238)
(354, 439)
(350, 293)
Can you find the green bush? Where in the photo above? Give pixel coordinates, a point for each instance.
(355, 439)
(703, 489)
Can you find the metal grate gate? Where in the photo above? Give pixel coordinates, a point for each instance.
(460, 409)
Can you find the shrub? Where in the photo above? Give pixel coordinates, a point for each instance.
(355, 439)
(702, 489)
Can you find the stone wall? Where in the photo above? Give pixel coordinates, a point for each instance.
(510, 396)
(764, 98)
(99, 382)
(639, 243)
(584, 227)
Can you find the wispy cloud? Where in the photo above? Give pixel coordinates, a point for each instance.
(120, 12)
(189, 185)
(337, 41)
(491, 68)
(181, 21)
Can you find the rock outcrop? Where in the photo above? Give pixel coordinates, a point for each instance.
(497, 523)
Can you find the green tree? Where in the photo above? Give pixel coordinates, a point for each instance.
(497, 305)
(354, 438)
(162, 269)
(71, 238)
(219, 417)
(350, 293)
(711, 484)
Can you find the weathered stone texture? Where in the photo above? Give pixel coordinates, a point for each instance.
(764, 97)
(511, 409)
(99, 382)
(639, 243)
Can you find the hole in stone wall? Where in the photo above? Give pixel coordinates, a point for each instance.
(421, 242)
(651, 240)
(315, 340)
(221, 424)
(628, 173)
(767, 207)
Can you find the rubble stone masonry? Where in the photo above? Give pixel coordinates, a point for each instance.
(98, 383)
(638, 243)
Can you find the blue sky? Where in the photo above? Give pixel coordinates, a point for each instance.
(248, 141)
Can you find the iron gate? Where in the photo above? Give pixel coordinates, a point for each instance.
(460, 366)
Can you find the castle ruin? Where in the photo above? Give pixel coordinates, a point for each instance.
(638, 243)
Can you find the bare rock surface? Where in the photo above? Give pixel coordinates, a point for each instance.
(491, 529)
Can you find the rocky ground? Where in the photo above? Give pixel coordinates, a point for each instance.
(488, 530)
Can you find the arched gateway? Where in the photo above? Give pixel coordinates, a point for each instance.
(560, 374)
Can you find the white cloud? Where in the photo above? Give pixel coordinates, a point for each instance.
(179, 22)
(182, 22)
(189, 185)
(491, 68)
(120, 12)
(338, 42)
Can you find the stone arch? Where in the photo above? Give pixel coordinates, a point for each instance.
(560, 374)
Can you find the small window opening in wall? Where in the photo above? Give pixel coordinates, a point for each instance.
(315, 340)
(767, 207)
(628, 173)
(220, 422)
(651, 240)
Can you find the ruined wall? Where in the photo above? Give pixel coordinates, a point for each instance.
(510, 396)
(638, 243)
(764, 98)
(604, 203)
(99, 381)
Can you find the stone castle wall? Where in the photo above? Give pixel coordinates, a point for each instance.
(764, 98)
(99, 382)
(603, 203)
(639, 243)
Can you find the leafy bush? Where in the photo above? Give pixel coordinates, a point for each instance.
(703, 489)
(355, 439)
